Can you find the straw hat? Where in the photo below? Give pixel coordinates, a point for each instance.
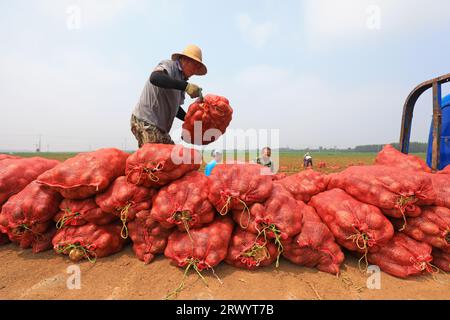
(195, 53)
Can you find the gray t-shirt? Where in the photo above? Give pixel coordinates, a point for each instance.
(159, 106)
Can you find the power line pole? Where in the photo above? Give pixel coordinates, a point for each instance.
(38, 146)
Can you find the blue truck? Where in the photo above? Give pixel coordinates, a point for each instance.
(438, 155)
(445, 136)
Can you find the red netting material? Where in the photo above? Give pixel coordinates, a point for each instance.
(205, 247)
(86, 174)
(250, 252)
(214, 112)
(125, 200)
(305, 184)
(88, 241)
(237, 186)
(403, 256)
(356, 226)
(390, 156)
(432, 227)
(441, 259)
(16, 174)
(148, 236)
(155, 165)
(397, 192)
(79, 212)
(441, 185)
(315, 246)
(27, 216)
(184, 203)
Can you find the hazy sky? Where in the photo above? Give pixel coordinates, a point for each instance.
(323, 72)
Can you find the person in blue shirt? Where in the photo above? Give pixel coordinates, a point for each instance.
(217, 159)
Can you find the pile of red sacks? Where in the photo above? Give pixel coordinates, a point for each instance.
(395, 214)
(417, 204)
(83, 206)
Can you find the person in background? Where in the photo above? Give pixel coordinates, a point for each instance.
(265, 159)
(163, 94)
(217, 158)
(307, 160)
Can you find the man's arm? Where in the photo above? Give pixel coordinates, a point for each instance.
(163, 80)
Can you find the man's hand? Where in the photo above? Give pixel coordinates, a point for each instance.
(193, 90)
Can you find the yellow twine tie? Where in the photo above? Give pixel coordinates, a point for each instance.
(226, 206)
(123, 218)
(192, 263)
(356, 239)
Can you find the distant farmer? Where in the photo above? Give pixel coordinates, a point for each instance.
(163, 95)
(265, 159)
(307, 160)
(217, 158)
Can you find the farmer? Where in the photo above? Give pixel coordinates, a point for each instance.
(307, 160)
(217, 155)
(163, 95)
(265, 160)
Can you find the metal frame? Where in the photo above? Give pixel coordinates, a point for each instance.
(408, 110)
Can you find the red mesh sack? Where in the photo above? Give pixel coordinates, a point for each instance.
(214, 112)
(246, 220)
(27, 216)
(184, 203)
(79, 212)
(7, 156)
(236, 186)
(432, 227)
(38, 240)
(390, 156)
(86, 174)
(446, 170)
(441, 185)
(205, 248)
(148, 236)
(279, 176)
(88, 241)
(403, 256)
(441, 259)
(38, 237)
(202, 248)
(315, 246)
(397, 192)
(125, 200)
(305, 184)
(248, 251)
(16, 174)
(155, 165)
(279, 218)
(356, 226)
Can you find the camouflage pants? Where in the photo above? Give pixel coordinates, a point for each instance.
(148, 133)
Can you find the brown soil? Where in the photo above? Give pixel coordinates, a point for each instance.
(25, 275)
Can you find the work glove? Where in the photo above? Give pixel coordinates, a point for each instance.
(193, 90)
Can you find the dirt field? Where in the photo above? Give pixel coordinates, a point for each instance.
(25, 275)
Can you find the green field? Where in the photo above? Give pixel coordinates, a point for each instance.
(289, 162)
